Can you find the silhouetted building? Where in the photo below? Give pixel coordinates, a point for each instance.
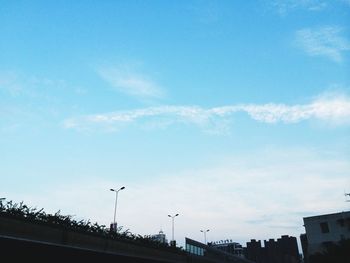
(288, 249)
(254, 250)
(228, 246)
(208, 252)
(323, 229)
(304, 245)
(284, 250)
(160, 237)
(272, 251)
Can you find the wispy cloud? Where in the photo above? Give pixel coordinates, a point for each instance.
(334, 109)
(32, 86)
(326, 41)
(285, 6)
(131, 82)
(30, 101)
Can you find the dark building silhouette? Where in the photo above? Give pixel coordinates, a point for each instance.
(198, 250)
(160, 237)
(228, 246)
(284, 250)
(288, 249)
(254, 250)
(272, 252)
(304, 246)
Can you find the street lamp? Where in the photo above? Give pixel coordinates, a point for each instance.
(173, 243)
(114, 224)
(205, 235)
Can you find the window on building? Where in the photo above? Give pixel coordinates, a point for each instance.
(324, 227)
(188, 248)
(194, 250)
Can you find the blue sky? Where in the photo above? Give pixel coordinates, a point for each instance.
(234, 114)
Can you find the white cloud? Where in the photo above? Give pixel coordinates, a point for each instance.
(32, 86)
(333, 109)
(285, 6)
(29, 101)
(326, 41)
(261, 195)
(131, 82)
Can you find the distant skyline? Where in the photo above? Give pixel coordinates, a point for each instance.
(234, 114)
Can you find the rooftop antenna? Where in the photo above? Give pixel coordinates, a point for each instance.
(161, 230)
(346, 197)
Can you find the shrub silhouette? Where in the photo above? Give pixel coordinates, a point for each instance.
(23, 212)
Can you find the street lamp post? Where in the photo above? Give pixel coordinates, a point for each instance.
(205, 235)
(173, 243)
(114, 224)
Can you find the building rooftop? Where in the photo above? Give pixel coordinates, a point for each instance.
(326, 215)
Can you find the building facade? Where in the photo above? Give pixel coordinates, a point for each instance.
(323, 229)
(160, 237)
(197, 250)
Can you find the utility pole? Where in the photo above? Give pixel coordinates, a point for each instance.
(114, 224)
(173, 242)
(205, 235)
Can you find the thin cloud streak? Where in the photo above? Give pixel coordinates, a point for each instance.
(333, 109)
(131, 83)
(285, 6)
(326, 41)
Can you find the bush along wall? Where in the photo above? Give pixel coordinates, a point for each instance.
(21, 211)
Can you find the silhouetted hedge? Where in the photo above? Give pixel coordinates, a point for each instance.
(23, 212)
